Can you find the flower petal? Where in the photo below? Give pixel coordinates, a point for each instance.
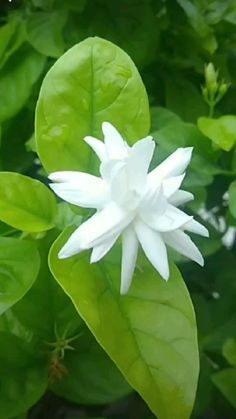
(97, 146)
(80, 188)
(102, 226)
(182, 243)
(174, 165)
(153, 247)
(181, 197)
(116, 147)
(195, 227)
(101, 250)
(171, 219)
(129, 257)
(171, 185)
(138, 162)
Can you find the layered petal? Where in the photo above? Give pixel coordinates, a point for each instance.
(195, 227)
(80, 188)
(129, 257)
(97, 146)
(102, 226)
(182, 243)
(180, 197)
(153, 247)
(171, 185)
(171, 219)
(174, 165)
(138, 162)
(116, 147)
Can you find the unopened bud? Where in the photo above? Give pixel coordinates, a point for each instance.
(211, 75)
(223, 89)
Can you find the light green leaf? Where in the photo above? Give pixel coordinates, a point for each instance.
(17, 78)
(222, 131)
(94, 81)
(26, 203)
(225, 381)
(19, 266)
(45, 32)
(232, 198)
(23, 377)
(150, 333)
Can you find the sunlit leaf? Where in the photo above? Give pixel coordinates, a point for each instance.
(94, 81)
(150, 333)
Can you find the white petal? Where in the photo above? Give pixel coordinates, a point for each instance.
(138, 162)
(195, 227)
(114, 143)
(97, 146)
(100, 251)
(153, 247)
(102, 226)
(129, 257)
(171, 219)
(182, 243)
(181, 197)
(171, 185)
(80, 188)
(174, 165)
(154, 201)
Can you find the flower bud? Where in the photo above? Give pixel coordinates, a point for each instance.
(211, 76)
(223, 89)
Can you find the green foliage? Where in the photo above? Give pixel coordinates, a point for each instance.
(26, 204)
(154, 359)
(19, 266)
(108, 87)
(185, 52)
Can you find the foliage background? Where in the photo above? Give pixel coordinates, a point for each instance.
(170, 42)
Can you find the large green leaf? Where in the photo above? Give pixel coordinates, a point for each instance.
(23, 377)
(94, 81)
(26, 203)
(150, 333)
(19, 266)
(17, 78)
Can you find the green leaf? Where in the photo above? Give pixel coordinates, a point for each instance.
(26, 203)
(23, 377)
(17, 78)
(19, 266)
(6, 33)
(99, 381)
(232, 198)
(222, 131)
(46, 308)
(45, 32)
(225, 381)
(94, 81)
(229, 351)
(150, 333)
(197, 21)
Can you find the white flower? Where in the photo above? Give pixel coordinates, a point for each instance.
(131, 203)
